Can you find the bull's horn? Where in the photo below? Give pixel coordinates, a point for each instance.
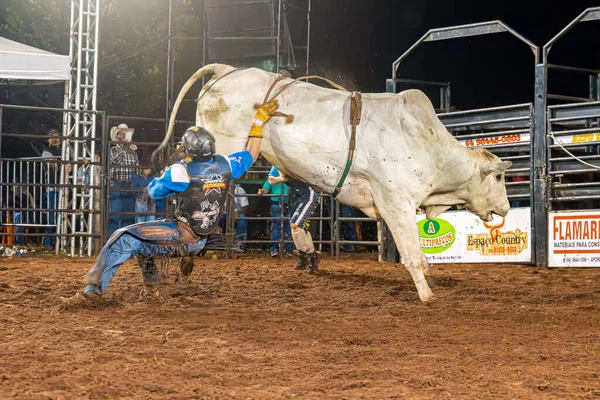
(217, 70)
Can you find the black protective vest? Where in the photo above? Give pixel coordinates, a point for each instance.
(202, 202)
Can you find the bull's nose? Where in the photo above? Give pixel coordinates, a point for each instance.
(502, 211)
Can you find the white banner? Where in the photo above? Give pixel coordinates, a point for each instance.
(461, 237)
(574, 239)
(496, 140)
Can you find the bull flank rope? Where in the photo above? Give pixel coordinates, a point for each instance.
(355, 116)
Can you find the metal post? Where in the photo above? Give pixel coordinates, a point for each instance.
(539, 170)
(331, 226)
(169, 57)
(321, 207)
(282, 220)
(337, 230)
(230, 220)
(308, 37)
(105, 191)
(278, 36)
(81, 99)
(594, 87)
(1, 123)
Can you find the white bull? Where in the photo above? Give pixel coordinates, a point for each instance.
(405, 158)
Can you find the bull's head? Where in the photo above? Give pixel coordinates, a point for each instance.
(486, 191)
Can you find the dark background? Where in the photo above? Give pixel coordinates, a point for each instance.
(353, 42)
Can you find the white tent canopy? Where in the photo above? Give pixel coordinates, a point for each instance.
(19, 62)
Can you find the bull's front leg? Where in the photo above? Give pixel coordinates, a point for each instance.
(403, 226)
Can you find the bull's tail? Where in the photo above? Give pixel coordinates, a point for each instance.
(217, 70)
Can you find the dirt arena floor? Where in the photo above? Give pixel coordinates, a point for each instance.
(254, 328)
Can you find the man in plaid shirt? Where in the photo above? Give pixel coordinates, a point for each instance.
(124, 162)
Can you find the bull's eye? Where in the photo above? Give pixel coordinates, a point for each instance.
(499, 177)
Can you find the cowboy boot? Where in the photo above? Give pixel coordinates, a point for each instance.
(148, 269)
(186, 265)
(80, 299)
(313, 262)
(302, 260)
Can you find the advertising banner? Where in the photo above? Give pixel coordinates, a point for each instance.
(574, 239)
(496, 140)
(461, 237)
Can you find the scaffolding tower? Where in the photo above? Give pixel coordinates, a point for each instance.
(76, 216)
(239, 32)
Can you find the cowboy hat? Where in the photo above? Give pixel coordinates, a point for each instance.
(115, 129)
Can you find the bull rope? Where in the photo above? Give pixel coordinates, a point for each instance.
(355, 116)
(571, 154)
(355, 113)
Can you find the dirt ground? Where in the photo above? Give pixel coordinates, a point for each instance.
(255, 328)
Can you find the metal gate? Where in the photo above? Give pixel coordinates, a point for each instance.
(506, 131)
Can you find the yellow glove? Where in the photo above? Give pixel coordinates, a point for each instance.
(262, 116)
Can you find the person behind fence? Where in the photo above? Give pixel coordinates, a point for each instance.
(52, 177)
(305, 199)
(349, 228)
(143, 202)
(277, 208)
(124, 162)
(18, 198)
(201, 185)
(240, 210)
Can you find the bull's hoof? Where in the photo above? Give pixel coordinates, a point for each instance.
(428, 301)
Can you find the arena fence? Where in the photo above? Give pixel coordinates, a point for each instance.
(41, 197)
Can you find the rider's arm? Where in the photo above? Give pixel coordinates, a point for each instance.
(242, 161)
(175, 179)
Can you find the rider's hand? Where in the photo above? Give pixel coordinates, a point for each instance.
(262, 116)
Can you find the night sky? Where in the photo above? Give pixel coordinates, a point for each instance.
(362, 38)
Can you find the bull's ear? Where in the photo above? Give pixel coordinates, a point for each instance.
(495, 167)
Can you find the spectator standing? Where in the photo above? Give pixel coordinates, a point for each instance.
(52, 178)
(123, 164)
(274, 185)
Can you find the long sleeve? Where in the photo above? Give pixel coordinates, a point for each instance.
(117, 154)
(240, 163)
(175, 180)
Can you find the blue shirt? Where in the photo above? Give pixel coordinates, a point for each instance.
(176, 178)
(139, 182)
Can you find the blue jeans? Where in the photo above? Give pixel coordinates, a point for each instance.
(349, 228)
(241, 229)
(120, 202)
(129, 242)
(160, 208)
(141, 207)
(49, 202)
(276, 230)
(20, 229)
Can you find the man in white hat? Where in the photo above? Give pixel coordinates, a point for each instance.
(123, 165)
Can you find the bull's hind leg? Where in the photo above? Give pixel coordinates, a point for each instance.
(403, 225)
